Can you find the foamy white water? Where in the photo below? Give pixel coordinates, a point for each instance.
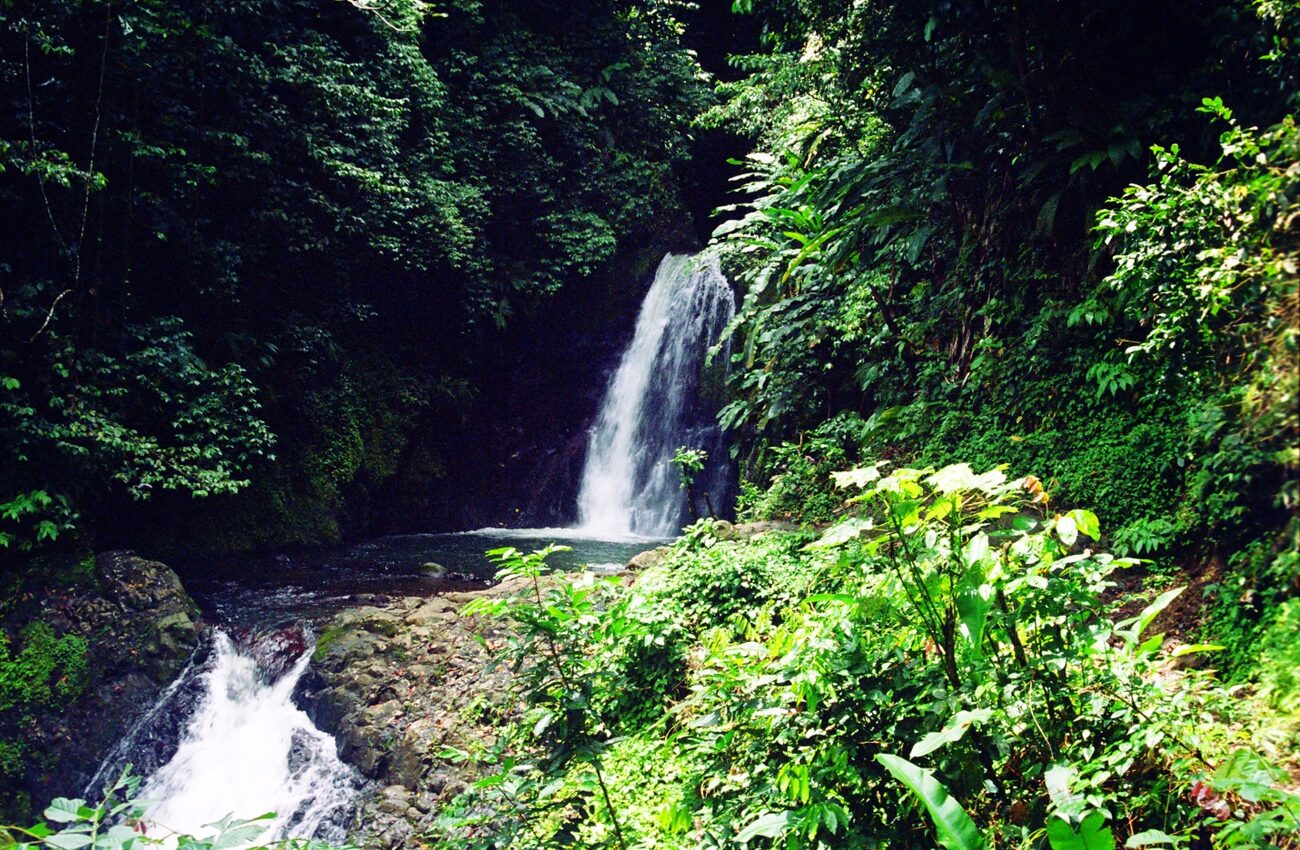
(629, 487)
(248, 750)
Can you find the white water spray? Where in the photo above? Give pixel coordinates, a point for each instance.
(628, 483)
(248, 750)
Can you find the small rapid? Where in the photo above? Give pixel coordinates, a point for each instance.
(653, 405)
(243, 747)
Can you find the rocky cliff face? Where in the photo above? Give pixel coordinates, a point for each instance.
(120, 629)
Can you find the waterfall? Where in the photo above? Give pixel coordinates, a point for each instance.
(244, 749)
(653, 406)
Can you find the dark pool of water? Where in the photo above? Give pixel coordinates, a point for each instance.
(262, 590)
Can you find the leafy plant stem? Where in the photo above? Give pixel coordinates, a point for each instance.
(568, 688)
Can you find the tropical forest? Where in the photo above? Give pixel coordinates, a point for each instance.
(649, 424)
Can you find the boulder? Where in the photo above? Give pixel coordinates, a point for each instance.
(138, 627)
(748, 530)
(649, 558)
(724, 530)
(276, 650)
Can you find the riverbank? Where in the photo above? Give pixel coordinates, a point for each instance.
(407, 686)
(721, 686)
(801, 687)
(417, 693)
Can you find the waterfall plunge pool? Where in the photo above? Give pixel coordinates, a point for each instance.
(311, 586)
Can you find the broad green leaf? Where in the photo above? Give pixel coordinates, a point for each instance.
(974, 599)
(1149, 837)
(1093, 834)
(976, 549)
(769, 825)
(68, 840)
(64, 810)
(121, 834)
(1067, 530)
(954, 730)
(1153, 610)
(1245, 773)
(907, 512)
(1192, 648)
(950, 479)
(954, 828)
(841, 533)
(1151, 644)
(1086, 522)
(1059, 778)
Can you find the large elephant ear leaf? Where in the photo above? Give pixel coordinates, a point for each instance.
(955, 829)
(1093, 834)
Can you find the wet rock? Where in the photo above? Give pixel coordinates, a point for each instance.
(139, 628)
(342, 650)
(176, 633)
(394, 800)
(380, 622)
(402, 686)
(648, 559)
(747, 530)
(431, 612)
(397, 834)
(276, 650)
(381, 714)
(433, 570)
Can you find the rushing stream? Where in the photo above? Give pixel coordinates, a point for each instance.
(248, 749)
(227, 736)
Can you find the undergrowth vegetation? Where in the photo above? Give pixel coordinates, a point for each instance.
(945, 663)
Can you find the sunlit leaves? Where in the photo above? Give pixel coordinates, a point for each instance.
(953, 826)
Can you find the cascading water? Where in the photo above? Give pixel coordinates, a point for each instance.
(246, 749)
(653, 406)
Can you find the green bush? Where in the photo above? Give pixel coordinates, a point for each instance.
(706, 586)
(797, 475)
(41, 670)
(1279, 660)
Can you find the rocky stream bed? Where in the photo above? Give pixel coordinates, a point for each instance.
(406, 684)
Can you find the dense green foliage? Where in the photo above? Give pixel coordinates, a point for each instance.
(39, 670)
(264, 243)
(274, 253)
(941, 262)
(915, 251)
(949, 636)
